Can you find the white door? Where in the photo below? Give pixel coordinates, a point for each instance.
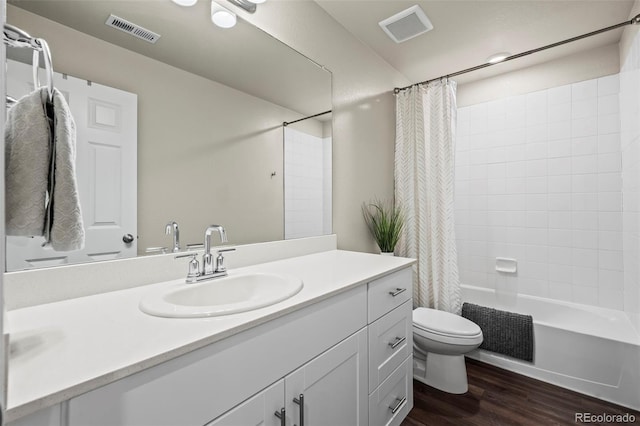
(331, 389)
(106, 166)
(259, 410)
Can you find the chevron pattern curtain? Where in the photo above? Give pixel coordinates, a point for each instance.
(424, 189)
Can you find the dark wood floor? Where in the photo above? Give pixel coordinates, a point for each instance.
(500, 397)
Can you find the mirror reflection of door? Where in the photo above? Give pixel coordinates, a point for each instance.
(106, 167)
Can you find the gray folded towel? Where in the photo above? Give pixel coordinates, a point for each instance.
(507, 333)
(41, 189)
(66, 226)
(27, 165)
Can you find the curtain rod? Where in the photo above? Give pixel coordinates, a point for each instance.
(635, 20)
(286, 123)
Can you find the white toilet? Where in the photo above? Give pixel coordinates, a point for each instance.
(440, 340)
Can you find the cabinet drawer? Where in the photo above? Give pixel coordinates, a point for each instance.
(390, 342)
(392, 401)
(389, 292)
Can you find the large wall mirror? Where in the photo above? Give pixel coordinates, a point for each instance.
(206, 108)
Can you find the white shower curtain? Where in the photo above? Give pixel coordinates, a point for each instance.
(424, 189)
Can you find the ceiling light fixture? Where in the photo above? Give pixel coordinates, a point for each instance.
(498, 57)
(185, 2)
(221, 16)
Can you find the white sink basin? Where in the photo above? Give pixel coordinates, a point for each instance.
(221, 296)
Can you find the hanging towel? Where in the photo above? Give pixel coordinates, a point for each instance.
(65, 221)
(27, 151)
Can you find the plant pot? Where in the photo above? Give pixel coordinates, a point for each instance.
(387, 253)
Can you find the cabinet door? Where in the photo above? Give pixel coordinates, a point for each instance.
(332, 388)
(258, 410)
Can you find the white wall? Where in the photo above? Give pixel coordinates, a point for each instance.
(630, 141)
(539, 179)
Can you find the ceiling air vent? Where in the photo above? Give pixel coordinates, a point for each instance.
(406, 24)
(131, 28)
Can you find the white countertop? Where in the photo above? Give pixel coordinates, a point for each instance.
(63, 349)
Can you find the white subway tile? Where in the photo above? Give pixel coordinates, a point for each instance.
(608, 104)
(558, 184)
(609, 85)
(584, 146)
(515, 152)
(610, 279)
(584, 220)
(559, 166)
(584, 164)
(586, 258)
(536, 202)
(584, 183)
(584, 277)
(609, 182)
(559, 219)
(584, 239)
(610, 240)
(560, 130)
(584, 295)
(537, 185)
(559, 148)
(478, 156)
(559, 95)
(560, 112)
(610, 201)
(609, 143)
(560, 255)
(517, 219)
(496, 186)
(515, 185)
(496, 155)
(536, 167)
(536, 151)
(609, 163)
(533, 270)
(537, 253)
(584, 127)
(609, 123)
(559, 202)
(610, 221)
(584, 201)
(611, 260)
(586, 108)
(559, 237)
(516, 169)
(584, 90)
(497, 171)
(561, 273)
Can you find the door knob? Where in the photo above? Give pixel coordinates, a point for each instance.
(127, 238)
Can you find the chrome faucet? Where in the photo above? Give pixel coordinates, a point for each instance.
(207, 258)
(173, 226)
(211, 267)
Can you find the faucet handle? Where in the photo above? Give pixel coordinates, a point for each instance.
(220, 260)
(194, 266)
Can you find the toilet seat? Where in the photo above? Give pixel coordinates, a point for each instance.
(445, 327)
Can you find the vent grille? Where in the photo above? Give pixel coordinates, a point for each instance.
(133, 29)
(407, 24)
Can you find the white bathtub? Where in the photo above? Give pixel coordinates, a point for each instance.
(588, 349)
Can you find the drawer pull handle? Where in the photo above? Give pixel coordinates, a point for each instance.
(397, 342)
(300, 402)
(397, 292)
(398, 405)
(281, 415)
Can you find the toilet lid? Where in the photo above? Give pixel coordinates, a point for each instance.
(444, 322)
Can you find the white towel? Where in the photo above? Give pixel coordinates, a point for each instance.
(67, 229)
(27, 165)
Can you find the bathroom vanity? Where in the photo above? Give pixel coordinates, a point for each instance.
(339, 352)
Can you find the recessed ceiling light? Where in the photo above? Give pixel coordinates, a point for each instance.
(498, 57)
(185, 2)
(221, 16)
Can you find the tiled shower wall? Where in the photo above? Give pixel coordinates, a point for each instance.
(630, 141)
(538, 179)
(307, 184)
